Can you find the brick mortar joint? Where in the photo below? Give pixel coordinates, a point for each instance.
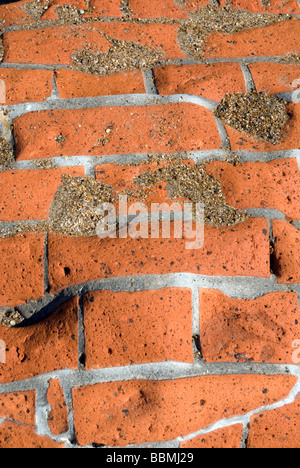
(42, 24)
(41, 384)
(235, 287)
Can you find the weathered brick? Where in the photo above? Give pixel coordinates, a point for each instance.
(275, 78)
(261, 6)
(246, 330)
(157, 9)
(191, 5)
(228, 437)
(211, 81)
(241, 250)
(121, 178)
(274, 185)
(21, 269)
(156, 128)
(286, 257)
(58, 416)
(25, 85)
(146, 411)
(13, 14)
(73, 84)
(13, 435)
(50, 45)
(258, 42)
(44, 347)
(28, 194)
(278, 428)
(56, 45)
(96, 8)
(290, 135)
(19, 406)
(127, 328)
(106, 8)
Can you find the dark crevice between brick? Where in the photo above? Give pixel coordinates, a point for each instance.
(197, 343)
(81, 335)
(274, 261)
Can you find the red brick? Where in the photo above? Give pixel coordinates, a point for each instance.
(58, 416)
(28, 194)
(127, 328)
(13, 14)
(56, 45)
(286, 263)
(210, 81)
(275, 6)
(279, 428)
(239, 330)
(73, 84)
(157, 9)
(50, 45)
(132, 412)
(156, 36)
(258, 42)
(275, 78)
(274, 185)
(158, 128)
(102, 8)
(193, 5)
(25, 85)
(19, 406)
(106, 8)
(21, 269)
(13, 435)
(121, 178)
(48, 346)
(226, 438)
(241, 250)
(290, 136)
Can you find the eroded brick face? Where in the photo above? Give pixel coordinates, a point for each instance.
(145, 336)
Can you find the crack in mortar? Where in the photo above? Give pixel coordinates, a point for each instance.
(236, 287)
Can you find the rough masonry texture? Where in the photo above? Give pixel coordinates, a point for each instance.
(141, 342)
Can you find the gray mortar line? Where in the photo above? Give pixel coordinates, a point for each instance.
(235, 287)
(149, 82)
(124, 100)
(290, 96)
(89, 162)
(162, 63)
(245, 436)
(245, 419)
(81, 335)
(34, 66)
(42, 410)
(250, 84)
(226, 145)
(158, 371)
(55, 94)
(44, 24)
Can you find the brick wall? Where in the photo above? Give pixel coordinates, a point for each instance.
(142, 342)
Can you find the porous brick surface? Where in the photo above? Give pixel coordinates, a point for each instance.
(145, 338)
